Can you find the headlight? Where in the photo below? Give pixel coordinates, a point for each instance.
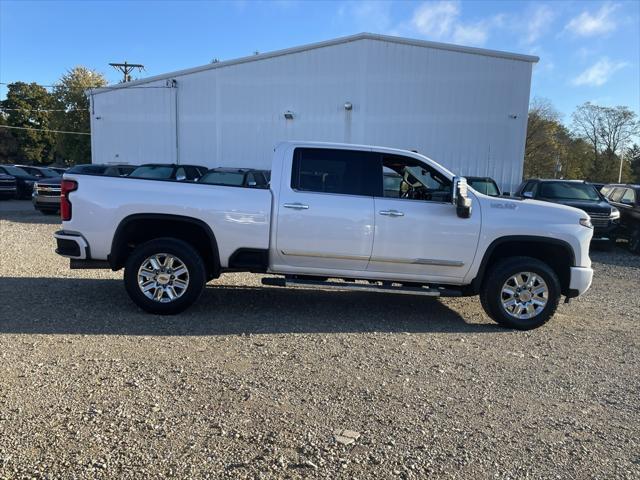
(586, 222)
(615, 214)
(35, 187)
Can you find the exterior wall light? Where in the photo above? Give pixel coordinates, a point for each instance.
(348, 106)
(288, 115)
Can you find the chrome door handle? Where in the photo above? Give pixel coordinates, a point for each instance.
(391, 213)
(296, 206)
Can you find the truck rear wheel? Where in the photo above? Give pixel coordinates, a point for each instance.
(164, 276)
(521, 293)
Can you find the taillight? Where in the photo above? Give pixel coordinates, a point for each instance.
(66, 187)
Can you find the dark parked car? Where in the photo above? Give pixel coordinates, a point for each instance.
(39, 172)
(486, 185)
(8, 187)
(237, 177)
(626, 198)
(578, 194)
(24, 181)
(169, 171)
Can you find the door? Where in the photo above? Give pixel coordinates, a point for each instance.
(325, 210)
(417, 232)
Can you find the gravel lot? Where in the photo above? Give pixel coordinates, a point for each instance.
(259, 382)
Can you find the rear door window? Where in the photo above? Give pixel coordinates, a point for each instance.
(325, 170)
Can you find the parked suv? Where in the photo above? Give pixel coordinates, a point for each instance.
(169, 171)
(578, 194)
(24, 180)
(235, 177)
(626, 198)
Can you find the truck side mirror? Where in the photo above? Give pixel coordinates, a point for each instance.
(181, 177)
(527, 194)
(460, 197)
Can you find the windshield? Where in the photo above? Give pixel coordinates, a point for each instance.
(223, 178)
(487, 187)
(11, 170)
(569, 191)
(153, 171)
(46, 172)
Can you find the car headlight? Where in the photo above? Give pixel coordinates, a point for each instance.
(35, 187)
(586, 222)
(615, 214)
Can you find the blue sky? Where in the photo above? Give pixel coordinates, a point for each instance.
(589, 50)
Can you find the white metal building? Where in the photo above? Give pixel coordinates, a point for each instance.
(464, 107)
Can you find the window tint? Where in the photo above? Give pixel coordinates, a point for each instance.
(530, 187)
(617, 193)
(408, 178)
(629, 197)
(153, 171)
(334, 171)
(569, 191)
(223, 178)
(485, 186)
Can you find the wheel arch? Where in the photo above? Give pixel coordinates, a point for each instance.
(556, 253)
(139, 228)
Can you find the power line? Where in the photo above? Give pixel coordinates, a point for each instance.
(43, 110)
(112, 87)
(43, 130)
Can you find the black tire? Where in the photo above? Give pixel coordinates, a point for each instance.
(634, 240)
(186, 254)
(491, 294)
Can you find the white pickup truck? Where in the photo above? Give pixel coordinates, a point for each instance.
(335, 217)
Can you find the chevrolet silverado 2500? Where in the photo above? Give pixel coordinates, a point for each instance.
(330, 220)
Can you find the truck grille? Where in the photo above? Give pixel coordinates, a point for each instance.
(48, 190)
(599, 220)
(8, 182)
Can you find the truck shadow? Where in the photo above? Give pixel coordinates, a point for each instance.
(102, 307)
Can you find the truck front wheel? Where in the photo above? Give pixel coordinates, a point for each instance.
(521, 293)
(164, 276)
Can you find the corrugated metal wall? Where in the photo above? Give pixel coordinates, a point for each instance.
(457, 108)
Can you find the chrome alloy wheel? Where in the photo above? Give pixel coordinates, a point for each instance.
(524, 295)
(163, 277)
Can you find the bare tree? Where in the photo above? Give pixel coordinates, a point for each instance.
(618, 126)
(587, 120)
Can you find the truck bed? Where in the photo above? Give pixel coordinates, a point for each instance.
(240, 217)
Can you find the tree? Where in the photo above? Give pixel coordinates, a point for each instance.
(608, 130)
(618, 125)
(633, 155)
(71, 97)
(8, 144)
(29, 105)
(542, 149)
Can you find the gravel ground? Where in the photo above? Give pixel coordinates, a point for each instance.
(259, 382)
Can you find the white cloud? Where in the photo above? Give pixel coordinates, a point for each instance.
(436, 19)
(599, 73)
(538, 23)
(441, 21)
(599, 23)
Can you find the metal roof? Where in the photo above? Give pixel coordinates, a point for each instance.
(327, 43)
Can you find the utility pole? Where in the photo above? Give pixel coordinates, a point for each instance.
(127, 68)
